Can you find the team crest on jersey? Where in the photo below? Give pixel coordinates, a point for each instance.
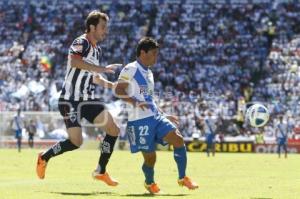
(142, 140)
(72, 115)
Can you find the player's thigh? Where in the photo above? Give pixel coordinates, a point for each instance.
(68, 109)
(90, 110)
(149, 158)
(163, 128)
(174, 138)
(107, 123)
(141, 135)
(75, 135)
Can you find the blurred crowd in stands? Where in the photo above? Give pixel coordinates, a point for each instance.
(214, 57)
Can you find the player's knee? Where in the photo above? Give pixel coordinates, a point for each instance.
(150, 161)
(114, 130)
(178, 140)
(178, 143)
(77, 142)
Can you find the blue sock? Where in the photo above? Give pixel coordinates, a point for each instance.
(181, 160)
(149, 174)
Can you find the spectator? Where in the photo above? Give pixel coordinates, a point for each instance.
(221, 52)
(31, 129)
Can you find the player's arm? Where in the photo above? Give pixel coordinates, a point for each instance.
(121, 92)
(77, 62)
(100, 80)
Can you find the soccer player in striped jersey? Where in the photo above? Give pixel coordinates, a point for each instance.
(146, 124)
(78, 99)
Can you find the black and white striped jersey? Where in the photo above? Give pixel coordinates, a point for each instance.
(78, 84)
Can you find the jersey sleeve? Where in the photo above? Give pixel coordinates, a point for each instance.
(127, 73)
(79, 48)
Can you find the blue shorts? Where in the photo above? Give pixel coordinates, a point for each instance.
(18, 133)
(281, 141)
(143, 134)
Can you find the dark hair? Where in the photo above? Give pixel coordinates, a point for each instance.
(146, 44)
(93, 19)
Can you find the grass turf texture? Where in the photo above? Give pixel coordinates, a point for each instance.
(227, 175)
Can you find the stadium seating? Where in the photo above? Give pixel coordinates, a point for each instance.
(212, 54)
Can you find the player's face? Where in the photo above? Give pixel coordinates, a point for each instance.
(100, 30)
(152, 56)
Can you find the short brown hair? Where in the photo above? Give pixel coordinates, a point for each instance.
(93, 18)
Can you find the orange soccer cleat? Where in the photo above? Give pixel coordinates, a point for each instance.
(41, 166)
(152, 188)
(187, 182)
(105, 178)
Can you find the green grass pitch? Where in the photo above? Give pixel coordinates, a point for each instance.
(252, 176)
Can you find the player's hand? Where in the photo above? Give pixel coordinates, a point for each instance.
(97, 78)
(174, 119)
(112, 67)
(108, 69)
(104, 70)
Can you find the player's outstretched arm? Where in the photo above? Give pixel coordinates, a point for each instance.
(79, 63)
(100, 80)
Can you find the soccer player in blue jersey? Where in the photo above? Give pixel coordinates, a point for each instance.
(281, 136)
(17, 125)
(209, 129)
(147, 125)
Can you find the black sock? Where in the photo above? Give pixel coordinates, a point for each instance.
(59, 148)
(107, 148)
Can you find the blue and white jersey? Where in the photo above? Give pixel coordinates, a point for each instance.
(282, 131)
(18, 123)
(210, 125)
(141, 88)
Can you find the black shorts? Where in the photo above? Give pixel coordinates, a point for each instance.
(30, 136)
(74, 111)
